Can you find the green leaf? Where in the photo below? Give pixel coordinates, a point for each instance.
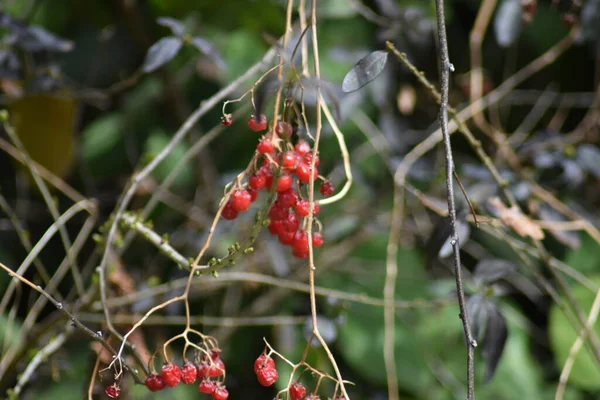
(585, 259)
(156, 142)
(101, 136)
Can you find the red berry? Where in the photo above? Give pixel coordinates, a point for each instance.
(284, 183)
(289, 159)
(264, 146)
(288, 198)
(284, 130)
(240, 200)
(275, 227)
(303, 172)
(267, 376)
(298, 253)
(307, 158)
(220, 393)
(303, 206)
(171, 374)
(568, 19)
(229, 212)
(291, 223)
(302, 147)
(207, 386)
(277, 213)
(217, 369)
(313, 397)
(253, 195)
(258, 123)
(154, 383)
(326, 189)
(113, 391)
(257, 181)
(214, 354)
(286, 238)
(297, 391)
(226, 120)
(263, 361)
(300, 243)
(268, 174)
(317, 239)
(189, 372)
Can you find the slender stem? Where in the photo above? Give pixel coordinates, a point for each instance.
(445, 68)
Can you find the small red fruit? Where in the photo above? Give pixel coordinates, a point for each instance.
(113, 391)
(220, 393)
(229, 212)
(317, 239)
(276, 227)
(303, 206)
(284, 183)
(189, 372)
(313, 397)
(154, 383)
(171, 374)
(253, 195)
(307, 158)
(257, 181)
(284, 130)
(207, 386)
(217, 369)
(326, 189)
(267, 376)
(277, 213)
(226, 120)
(268, 174)
(286, 238)
(289, 159)
(297, 391)
(300, 243)
(288, 198)
(258, 123)
(291, 223)
(264, 146)
(303, 172)
(302, 147)
(240, 200)
(298, 253)
(263, 361)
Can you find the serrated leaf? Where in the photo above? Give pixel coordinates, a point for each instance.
(491, 270)
(209, 50)
(161, 53)
(365, 70)
(35, 38)
(508, 22)
(176, 26)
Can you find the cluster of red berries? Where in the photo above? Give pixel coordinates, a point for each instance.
(264, 368)
(113, 391)
(172, 375)
(284, 166)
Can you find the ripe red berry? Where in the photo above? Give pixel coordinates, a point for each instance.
(298, 253)
(326, 189)
(302, 147)
(275, 227)
(263, 361)
(286, 238)
(226, 120)
(253, 195)
(217, 369)
(268, 174)
(317, 239)
(303, 172)
(300, 243)
(207, 386)
(257, 123)
(220, 393)
(288, 198)
(113, 391)
(240, 200)
(303, 206)
(307, 158)
(284, 183)
(277, 213)
(171, 374)
(284, 130)
(257, 181)
(291, 223)
(154, 383)
(313, 397)
(214, 354)
(297, 391)
(289, 159)
(267, 376)
(229, 212)
(264, 146)
(189, 372)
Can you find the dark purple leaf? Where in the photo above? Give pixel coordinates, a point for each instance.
(494, 341)
(209, 50)
(508, 22)
(365, 70)
(35, 39)
(173, 24)
(161, 53)
(491, 270)
(477, 310)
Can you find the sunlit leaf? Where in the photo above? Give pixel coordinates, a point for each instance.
(173, 24)
(161, 53)
(508, 22)
(35, 39)
(365, 70)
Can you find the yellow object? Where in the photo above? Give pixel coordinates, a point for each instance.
(45, 125)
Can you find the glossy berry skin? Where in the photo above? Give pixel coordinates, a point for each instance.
(189, 372)
(297, 391)
(241, 200)
(257, 181)
(113, 391)
(312, 397)
(267, 376)
(217, 369)
(288, 198)
(317, 239)
(286, 238)
(284, 130)
(265, 146)
(268, 174)
(263, 361)
(220, 393)
(284, 183)
(229, 212)
(307, 159)
(300, 242)
(154, 383)
(303, 172)
(326, 189)
(277, 213)
(301, 254)
(275, 227)
(258, 123)
(289, 159)
(291, 223)
(207, 386)
(170, 374)
(253, 195)
(303, 207)
(302, 147)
